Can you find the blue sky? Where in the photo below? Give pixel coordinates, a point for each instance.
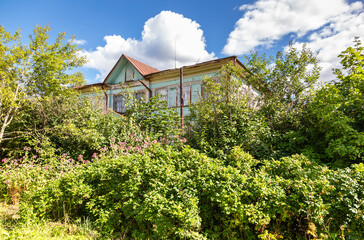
(150, 31)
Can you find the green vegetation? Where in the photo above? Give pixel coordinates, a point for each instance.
(287, 164)
(33, 71)
(80, 230)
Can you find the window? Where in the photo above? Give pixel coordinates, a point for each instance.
(118, 104)
(195, 92)
(139, 95)
(129, 73)
(191, 93)
(172, 97)
(163, 94)
(186, 96)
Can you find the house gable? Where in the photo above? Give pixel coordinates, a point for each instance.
(128, 69)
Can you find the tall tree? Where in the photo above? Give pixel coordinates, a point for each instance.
(285, 78)
(285, 83)
(335, 117)
(35, 70)
(226, 116)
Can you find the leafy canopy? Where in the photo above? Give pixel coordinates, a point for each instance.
(38, 69)
(336, 114)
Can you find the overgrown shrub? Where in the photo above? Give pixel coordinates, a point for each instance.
(227, 116)
(155, 192)
(70, 125)
(153, 116)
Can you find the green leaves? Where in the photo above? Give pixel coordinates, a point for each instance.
(32, 71)
(153, 116)
(286, 78)
(226, 116)
(335, 114)
(167, 193)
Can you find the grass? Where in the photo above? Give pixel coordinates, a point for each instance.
(11, 227)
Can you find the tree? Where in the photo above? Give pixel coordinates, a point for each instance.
(153, 116)
(35, 70)
(335, 116)
(285, 83)
(226, 116)
(286, 78)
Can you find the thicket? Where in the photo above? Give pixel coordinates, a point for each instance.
(155, 191)
(292, 114)
(69, 125)
(284, 164)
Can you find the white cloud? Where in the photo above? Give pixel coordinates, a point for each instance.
(329, 26)
(330, 41)
(157, 47)
(79, 41)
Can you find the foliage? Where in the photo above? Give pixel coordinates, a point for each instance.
(50, 230)
(285, 83)
(227, 116)
(153, 116)
(285, 79)
(32, 172)
(266, 125)
(325, 123)
(79, 174)
(335, 117)
(34, 70)
(158, 192)
(12, 228)
(67, 124)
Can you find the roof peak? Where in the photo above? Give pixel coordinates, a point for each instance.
(143, 68)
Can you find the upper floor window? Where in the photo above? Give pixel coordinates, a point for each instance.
(195, 92)
(186, 96)
(191, 94)
(129, 73)
(172, 96)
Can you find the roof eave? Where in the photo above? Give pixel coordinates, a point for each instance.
(234, 58)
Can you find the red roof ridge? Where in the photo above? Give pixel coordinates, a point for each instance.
(143, 68)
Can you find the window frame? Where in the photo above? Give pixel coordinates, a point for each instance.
(115, 103)
(140, 92)
(160, 89)
(177, 86)
(132, 75)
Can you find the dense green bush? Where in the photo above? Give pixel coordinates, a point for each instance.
(225, 117)
(334, 121)
(152, 115)
(157, 192)
(292, 114)
(133, 177)
(284, 82)
(67, 124)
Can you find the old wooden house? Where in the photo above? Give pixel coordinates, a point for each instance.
(147, 81)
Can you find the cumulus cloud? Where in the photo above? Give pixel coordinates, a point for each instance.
(79, 41)
(164, 36)
(267, 21)
(331, 40)
(327, 26)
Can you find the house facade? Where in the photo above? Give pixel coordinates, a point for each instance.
(147, 81)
